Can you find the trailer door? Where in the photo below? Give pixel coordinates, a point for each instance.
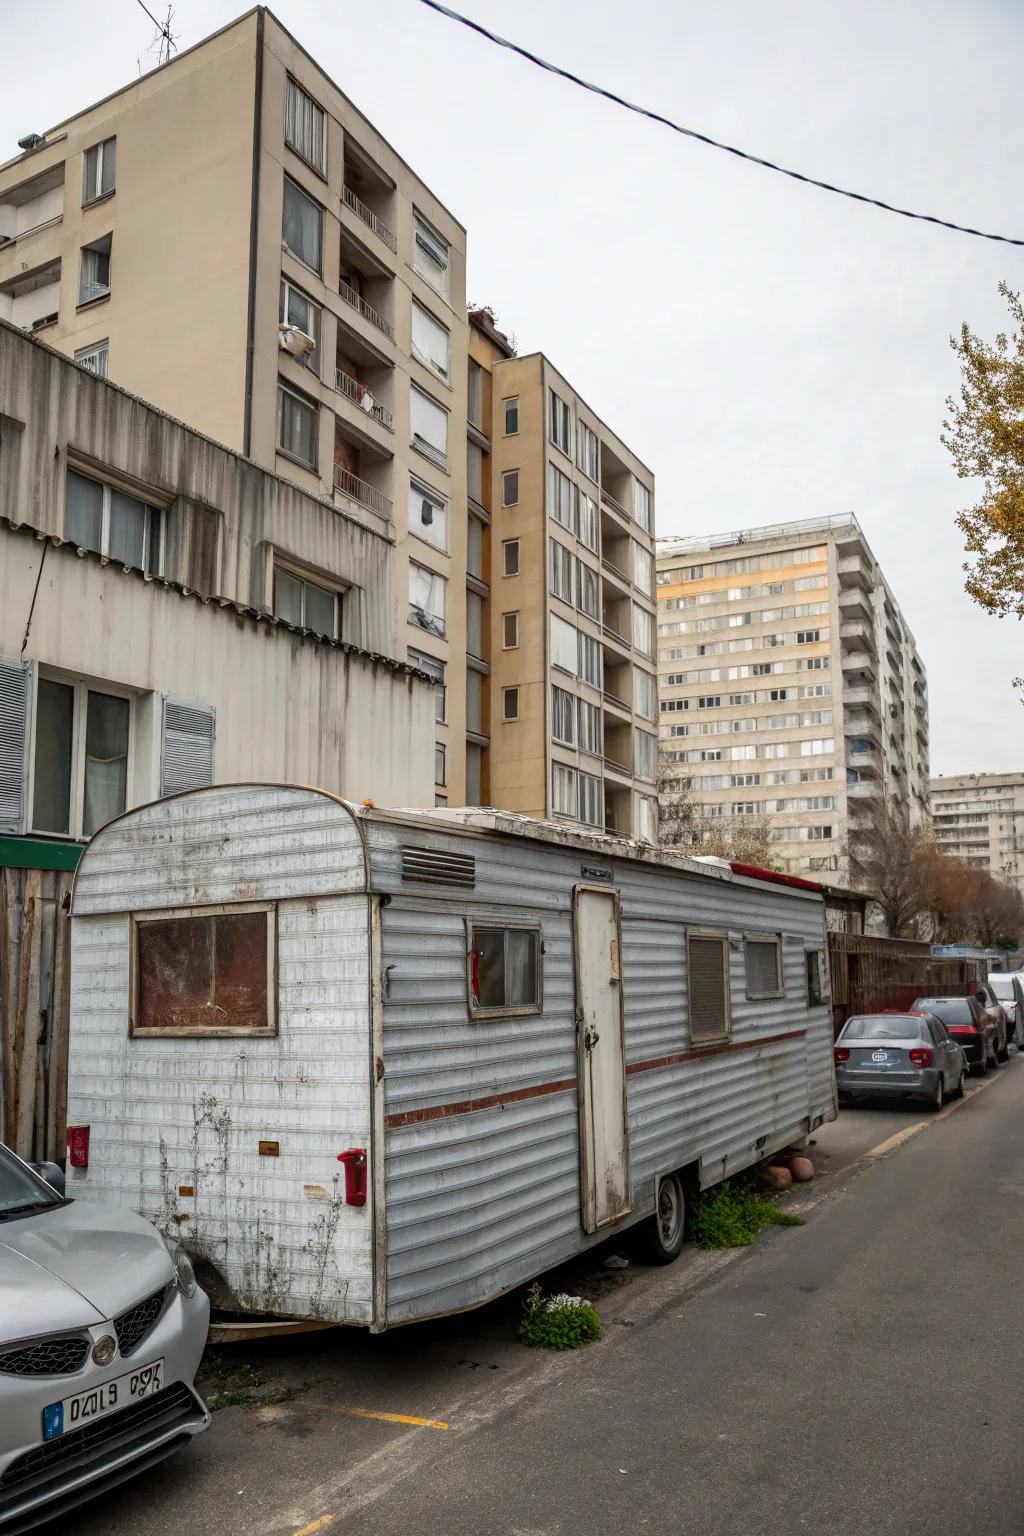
(604, 1132)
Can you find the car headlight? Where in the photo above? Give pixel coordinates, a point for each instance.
(183, 1275)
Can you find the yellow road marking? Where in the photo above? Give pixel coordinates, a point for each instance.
(896, 1141)
(318, 1525)
(375, 1413)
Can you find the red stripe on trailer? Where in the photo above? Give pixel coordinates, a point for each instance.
(755, 872)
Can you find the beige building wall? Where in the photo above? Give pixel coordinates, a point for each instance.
(979, 818)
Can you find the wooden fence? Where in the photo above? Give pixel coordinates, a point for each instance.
(871, 973)
(34, 997)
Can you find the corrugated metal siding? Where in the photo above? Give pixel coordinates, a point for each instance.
(166, 1113)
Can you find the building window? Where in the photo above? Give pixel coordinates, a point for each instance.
(586, 451)
(590, 669)
(591, 799)
(435, 669)
(204, 973)
(510, 488)
(440, 764)
(564, 645)
(588, 596)
(430, 254)
(645, 749)
(510, 704)
(94, 277)
(429, 423)
(427, 599)
(475, 395)
(511, 416)
(302, 227)
(431, 342)
(643, 630)
(643, 506)
(707, 964)
(645, 694)
(563, 717)
(561, 562)
(762, 954)
(305, 127)
(109, 521)
(475, 627)
(587, 520)
(510, 557)
(807, 636)
(297, 425)
(510, 631)
(81, 758)
(564, 790)
(98, 166)
(560, 423)
(306, 604)
(295, 309)
(503, 971)
(475, 531)
(94, 358)
(428, 515)
(560, 498)
(475, 473)
(643, 569)
(474, 772)
(647, 818)
(590, 736)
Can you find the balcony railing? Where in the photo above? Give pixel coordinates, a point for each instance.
(369, 218)
(616, 571)
(346, 385)
(616, 506)
(613, 634)
(366, 310)
(366, 495)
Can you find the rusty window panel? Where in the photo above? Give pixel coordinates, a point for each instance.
(205, 973)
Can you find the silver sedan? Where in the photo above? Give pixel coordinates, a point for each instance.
(899, 1055)
(102, 1328)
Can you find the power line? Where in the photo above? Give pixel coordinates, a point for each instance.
(703, 138)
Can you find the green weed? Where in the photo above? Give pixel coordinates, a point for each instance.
(733, 1216)
(558, 1322)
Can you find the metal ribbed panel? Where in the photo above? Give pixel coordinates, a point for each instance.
(433, 868)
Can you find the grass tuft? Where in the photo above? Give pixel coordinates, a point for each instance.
(558, 1322)
(734, 1215)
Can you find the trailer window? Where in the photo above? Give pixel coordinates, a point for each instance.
(815, 978)
(707, 959)
(504, 970)
(204, 973)
(763, 960)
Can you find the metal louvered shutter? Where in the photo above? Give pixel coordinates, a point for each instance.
(432, 866)
(707, 960)
(15, 694)
(763, 958)
(186, 749)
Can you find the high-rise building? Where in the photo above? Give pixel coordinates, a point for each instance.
(567, 511)
(979, 818)
(229, 238)
(790, 685)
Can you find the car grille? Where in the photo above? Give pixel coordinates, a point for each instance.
(133, 1326)
(47, 1357)
(70, 1452)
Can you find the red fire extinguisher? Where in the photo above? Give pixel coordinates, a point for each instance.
(354, 1163)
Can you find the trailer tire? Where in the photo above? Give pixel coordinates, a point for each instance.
(664, 1233)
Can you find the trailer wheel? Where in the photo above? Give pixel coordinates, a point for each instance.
(664, 1232)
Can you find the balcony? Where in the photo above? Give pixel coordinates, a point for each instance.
(616, 576)
(618, 809)
(854, 571)
(860, 696)
(350, 485)
(866, 760)
(855, 604)
(857, 634)
(859, 661)
(362, 396)
(358, 303)
(864, 790)
(29, 210)
(367, 216)
(31, 299)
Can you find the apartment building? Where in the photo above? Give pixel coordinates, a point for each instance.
(229, 238)
(790, 685)
(568, 703)
(979, 818)
(143, 647)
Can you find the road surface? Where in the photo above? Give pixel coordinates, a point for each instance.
(860, 1375)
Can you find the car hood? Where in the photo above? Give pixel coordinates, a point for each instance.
(76, 1265)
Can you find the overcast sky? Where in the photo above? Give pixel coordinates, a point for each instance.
(771, 351)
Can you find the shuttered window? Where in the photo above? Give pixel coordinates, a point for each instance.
(708, 976)
(763, 960)
(15, 682)
(186, 756)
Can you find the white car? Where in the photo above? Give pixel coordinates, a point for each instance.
(102, 1328)
(1006, 987)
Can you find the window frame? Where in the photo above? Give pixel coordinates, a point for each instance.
(560, 416)
(512, 614)
(89, 195)
(419, 488)
(506, 546)
(417, 658)
(321, 169)
(98, 350)
(311, 363)
(775, 939)
(286, 388)
(815, 978)
(167, 914)
(513, 402)
(506, 693)
(438, 634)
(441, 756)
(423, 358)
(319, 270)
(506, 476)
(421, 444)
(82, 687)
(307, 579)
(506, 1010)
(722, 938)
(430, 232)
(154, 521)
(103, 246)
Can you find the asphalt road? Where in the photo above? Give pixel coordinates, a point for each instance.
(860, 1375)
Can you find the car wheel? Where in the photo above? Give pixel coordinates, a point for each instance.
(961, 1087)
(663, 1232)
(938, 1098)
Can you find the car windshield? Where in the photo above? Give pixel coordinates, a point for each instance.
(21, 1190)
(1002, 986)
(951, 1010)
(883, 1026)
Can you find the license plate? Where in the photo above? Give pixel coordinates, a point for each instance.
(880, 1056)
(81, 1409)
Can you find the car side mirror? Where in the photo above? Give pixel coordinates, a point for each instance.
(982, 999)
(52, 1173)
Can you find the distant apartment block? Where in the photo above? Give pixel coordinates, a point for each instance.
(979, 818)
(568, 698)
(229, 238)
(790, 686)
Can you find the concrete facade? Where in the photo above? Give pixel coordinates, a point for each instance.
(979, 818)
(790, 685)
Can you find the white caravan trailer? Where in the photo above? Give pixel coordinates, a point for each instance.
(375, 1066)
